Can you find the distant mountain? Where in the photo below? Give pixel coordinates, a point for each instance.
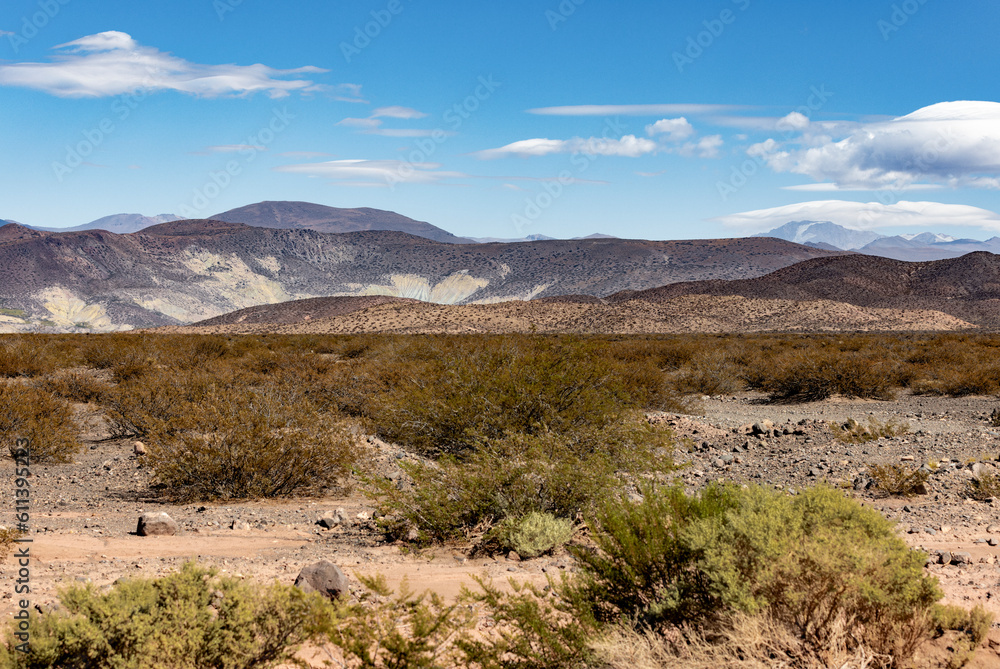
(118, 223)
(318, 217)
(187, 271)
(928, 246)
(967, 287)
(823, 232)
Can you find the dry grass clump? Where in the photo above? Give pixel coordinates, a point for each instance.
(853, 432)
(45, 420)
(898, 480)
(22, 356)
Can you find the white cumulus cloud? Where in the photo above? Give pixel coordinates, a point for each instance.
(951, 143)
(676, 129)
(112, 63)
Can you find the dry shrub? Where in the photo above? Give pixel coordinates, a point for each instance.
(21, 356)
(247, 446)
(898, 479)
(75, 385)
(709, 373)
(817, 375)
(742, 642)
(45, 420)
(984, 487)
(970, 377)
(853, 432)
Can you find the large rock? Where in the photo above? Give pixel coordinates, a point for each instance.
(323, 577)
(156, 524)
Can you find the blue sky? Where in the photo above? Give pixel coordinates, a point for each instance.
(640, 119)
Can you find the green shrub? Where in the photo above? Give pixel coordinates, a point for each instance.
(898, 479)
(853, 432)
(817, 563)
(534, 534)
(189, 619)
(974, 622)
(45, 420)
(252, 445)
(563, 475)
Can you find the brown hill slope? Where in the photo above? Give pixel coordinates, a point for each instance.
(333, 220)
(187, 271)
(301, 311)
(967, 287)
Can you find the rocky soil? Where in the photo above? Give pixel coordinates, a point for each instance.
(84, 515)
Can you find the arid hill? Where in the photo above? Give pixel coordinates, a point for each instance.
(186, 271)
(689, 313)
(967, 287)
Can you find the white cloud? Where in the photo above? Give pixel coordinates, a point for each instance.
(397, 112)
(794, 121)
(827, 187)
(952, 143)
(234, 148)
(634, 110)
(628, 146)
(706, 147)
(373, 124)
(112, 63)
(866, 215)
(373, 172)
(676, 129)
(304, 155)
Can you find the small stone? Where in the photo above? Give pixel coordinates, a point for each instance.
(156, 524)
(323, 577)
(961, 557)
(328, 522)
(993, 529)
(992, 541)
(139, 449)
(513, 556)
(239, 525)
(944, 557)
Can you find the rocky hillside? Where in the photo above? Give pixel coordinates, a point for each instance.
(187, 271)
(967, 287)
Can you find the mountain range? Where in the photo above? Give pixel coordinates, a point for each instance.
(186, 271)
(915, 247)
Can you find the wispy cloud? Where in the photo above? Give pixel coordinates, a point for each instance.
(951, 143)
(232, 148)
(112, 63)
(397, 112)
(628, 146)
(382, 173)
(866, 215)
(635, 110)
(372, 125)
(303, 155)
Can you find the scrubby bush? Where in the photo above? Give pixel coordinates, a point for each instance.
(46, 421)
(563, 475)
(816, 563)
(709, 374)
(533, 534)
(898, 479)
(192, 618)
(853, 432)
(21, 356)
(252, 445)
(816, 375)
